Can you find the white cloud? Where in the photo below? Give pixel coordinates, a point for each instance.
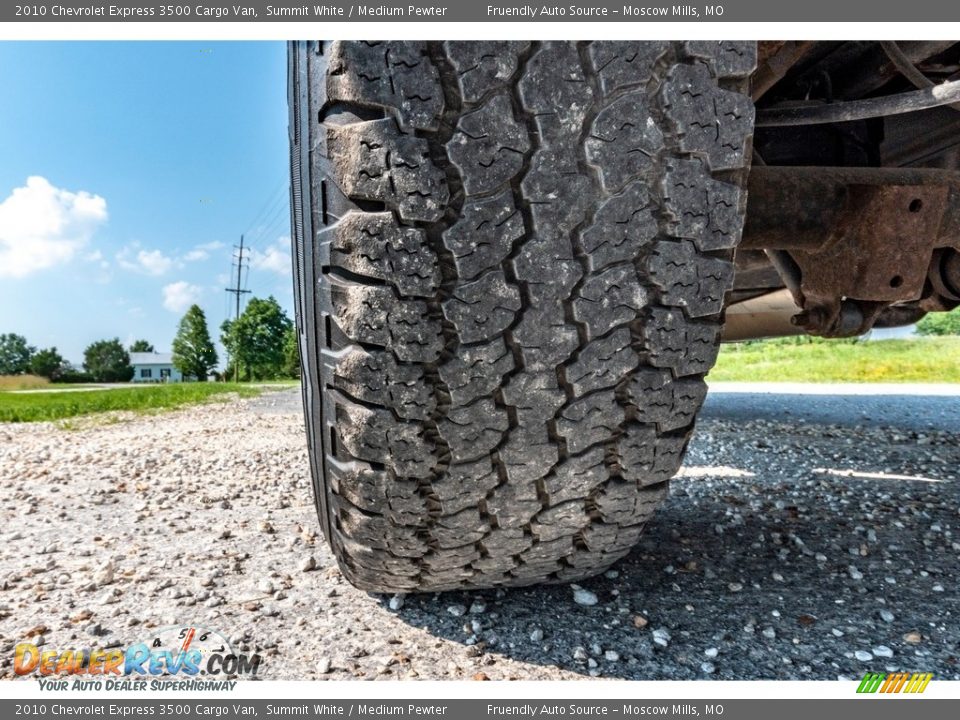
(42, 225)
(202, 251)
(276, 258)
(148, 262)
(178, 296)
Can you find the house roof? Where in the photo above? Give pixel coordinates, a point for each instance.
(151, 358)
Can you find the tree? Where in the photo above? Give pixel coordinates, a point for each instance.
(48, 363)
(291, 353)
(940, 323)
(107, 361)
(193, 351)
(142, 346)
(15, 354)
(255, 340)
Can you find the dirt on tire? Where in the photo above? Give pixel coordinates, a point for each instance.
(511, 261)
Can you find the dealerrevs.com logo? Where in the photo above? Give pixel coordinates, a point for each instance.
(172, 652)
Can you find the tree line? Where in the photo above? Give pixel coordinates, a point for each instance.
(261, 345)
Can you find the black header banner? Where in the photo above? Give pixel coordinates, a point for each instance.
(642, 11)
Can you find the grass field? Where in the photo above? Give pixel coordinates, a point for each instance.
(22, 382)
(929, 360)
(42, 406)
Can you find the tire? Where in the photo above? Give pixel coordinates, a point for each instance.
(511, 261)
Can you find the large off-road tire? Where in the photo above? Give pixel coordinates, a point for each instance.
(511, 261)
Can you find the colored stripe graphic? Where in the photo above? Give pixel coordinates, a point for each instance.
(914, 683)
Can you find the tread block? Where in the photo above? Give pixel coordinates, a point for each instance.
(560, 521)
(446, 564)
(648, 458)
(473, 431)
(505, 542)
(375, 491)
(727, 58)
(482, 308)
(488, 146)
(624, 141)
(609, 298)
(375, 315)
(543, 557)
(710, 121)
(513, 504)
(545, 338)
(375, 161)
(529, 454)
(590, 420)
(372, 244)
(622, 64)
(464, 485)
(377, 532)
(612, 538)
(555, 90)
(534, 396)
(483, 66)
(688, 279)
(375, 436)
(484, 235)
(548, 268)
(578, 477)
(673, 341)
(455, 531)
(396, 76)
(558, 194)
(621, 227)
(628, 503)
(376, 377)
(704, 210)
(602, 363)
(657, 398)
(476, 370)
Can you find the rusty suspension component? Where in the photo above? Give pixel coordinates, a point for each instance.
(861, 239)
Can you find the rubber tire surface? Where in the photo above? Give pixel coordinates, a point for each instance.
(511, 261)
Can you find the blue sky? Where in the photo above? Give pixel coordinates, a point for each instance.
(128, 172)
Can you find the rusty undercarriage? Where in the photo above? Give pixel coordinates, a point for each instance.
(853, 217)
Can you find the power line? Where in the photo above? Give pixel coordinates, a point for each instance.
(264, 230)
(271, 200)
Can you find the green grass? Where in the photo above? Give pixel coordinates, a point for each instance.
(813, 360)
(45, 406)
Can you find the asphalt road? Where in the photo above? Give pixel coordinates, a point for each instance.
(808, 536)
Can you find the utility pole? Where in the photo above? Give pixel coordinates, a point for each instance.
(238, 291)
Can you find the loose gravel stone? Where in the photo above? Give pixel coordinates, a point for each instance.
(863, 656)
(661, 636)
(582, 596)
(396, 602)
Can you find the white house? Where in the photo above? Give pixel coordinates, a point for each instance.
(154, 367)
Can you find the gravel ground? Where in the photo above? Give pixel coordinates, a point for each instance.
(815, 544)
